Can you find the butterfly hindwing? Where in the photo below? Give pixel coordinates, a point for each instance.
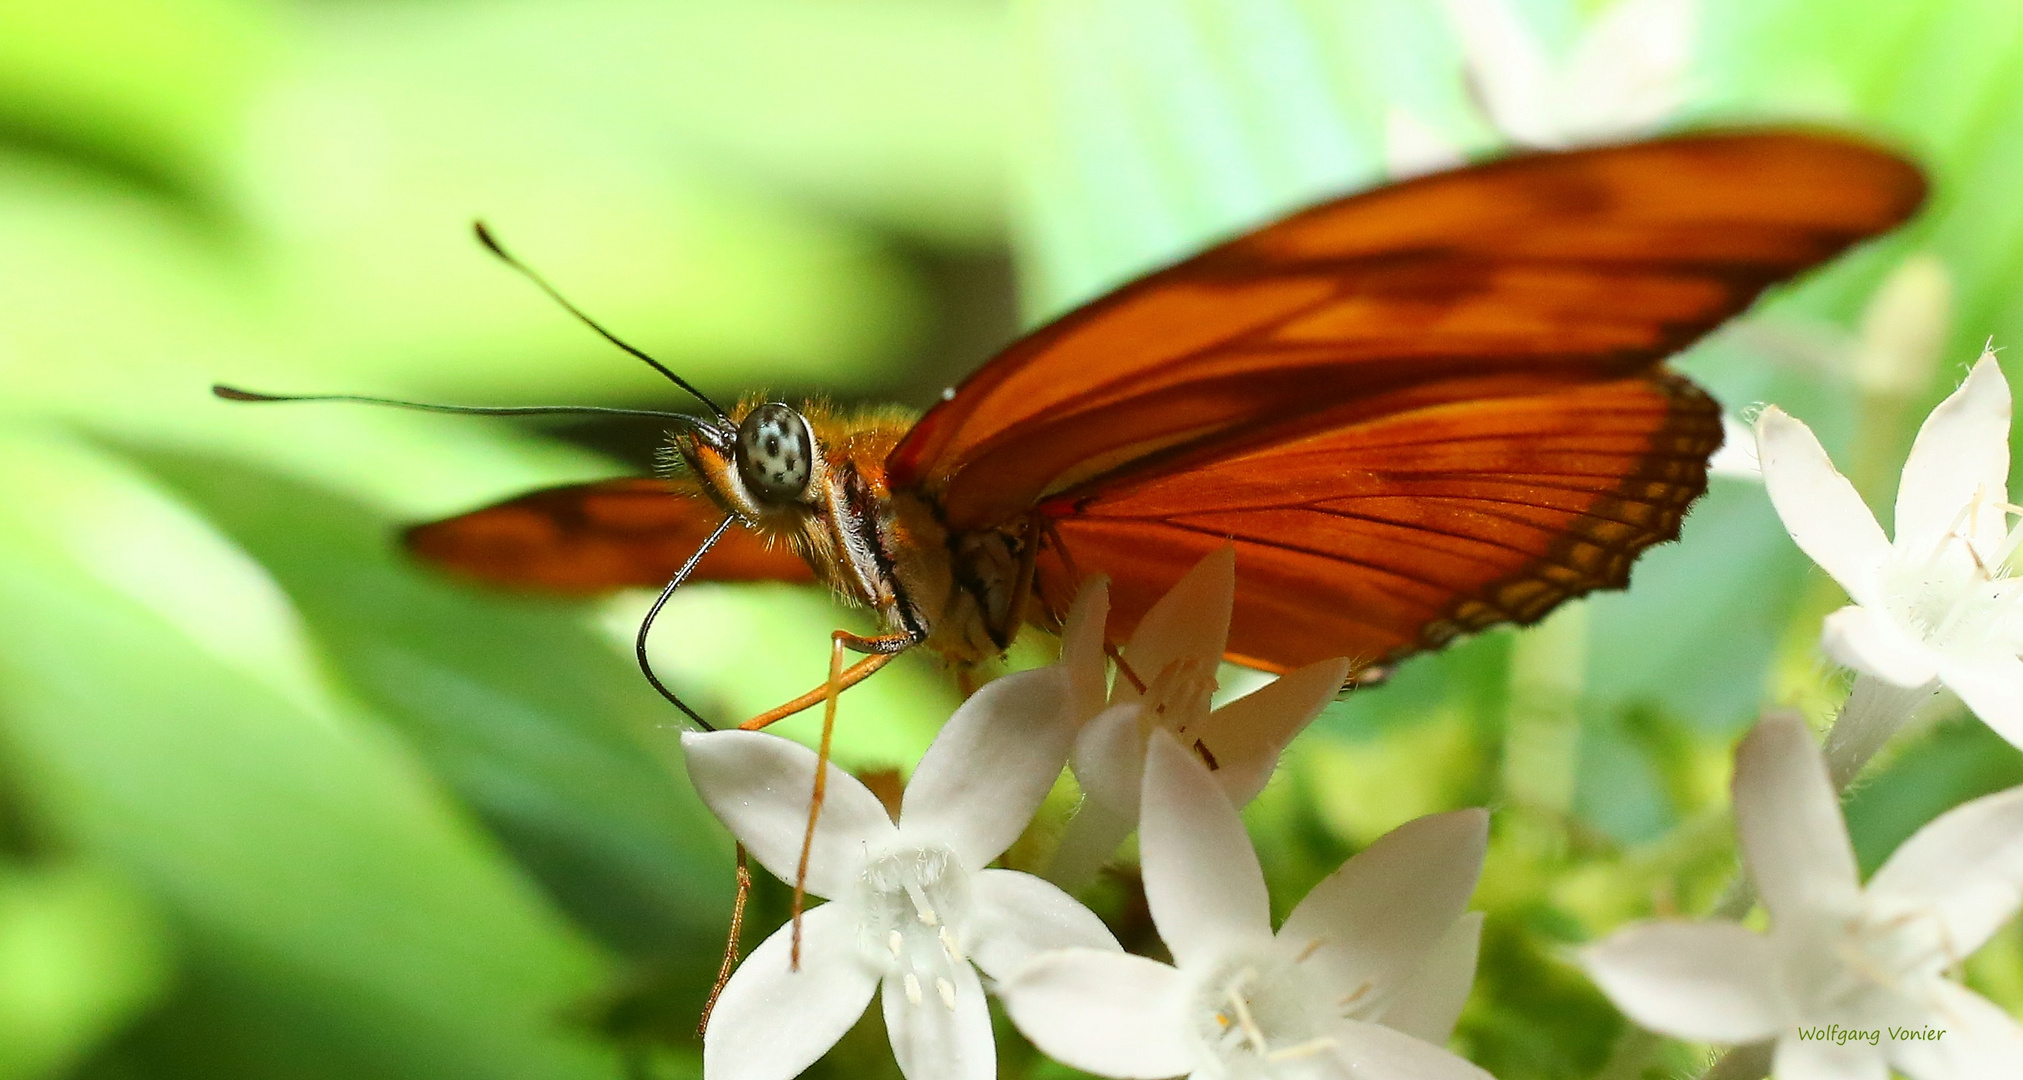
(1381, 539)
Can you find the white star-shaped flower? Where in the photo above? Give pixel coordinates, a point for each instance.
(1364, 980)
(1624, 76)
(912, 904)
(1942, 600)
(1175, 652)
(1850, 982)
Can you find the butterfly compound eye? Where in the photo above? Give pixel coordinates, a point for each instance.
(775, 452)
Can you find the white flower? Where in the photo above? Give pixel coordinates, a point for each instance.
(1848, 981)
(1942, 600)
(1366, 976)
(912, 905)
(1411, 148)
(1624, 76)
(1736, 459)
(1175, 652)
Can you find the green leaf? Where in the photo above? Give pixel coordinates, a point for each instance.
(335, 915)
(524, 709)
(80, 955)
(149, 92)
(819, 102)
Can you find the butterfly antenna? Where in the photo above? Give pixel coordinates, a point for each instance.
(491, 243)
(652, 613)
(233, 393)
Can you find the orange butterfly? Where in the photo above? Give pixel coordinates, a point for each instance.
(1417, 412)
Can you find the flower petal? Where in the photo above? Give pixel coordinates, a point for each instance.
(1082, 654)
(1628, 71)
(1427, 1004)
(773, 1022)
(1736, 459)
(1981, 1042)
(1821, 1060)
(1374, 920)
(1015, 917)
(1964, 870)
(1247, 735)
(1788, 818)
(1867, 641)
(1109, 1013)
(1109, 759)
(1507, 70)
(1375, 1052)
(1993, 688)
(1413, 149)
(758, 785)
(1959, 464)
(1710, 982)
(978, 786)
(946, 1034)
(1820, 509)
(1202, 879)
(1191, 620)
(1091, 838)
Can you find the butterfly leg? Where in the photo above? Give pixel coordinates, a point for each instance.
(1014, 617)
(723, 973)
(833, 689)
(882, 649)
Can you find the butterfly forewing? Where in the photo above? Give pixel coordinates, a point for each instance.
(590, 538)
(1543, 268)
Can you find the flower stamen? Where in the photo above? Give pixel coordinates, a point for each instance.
(921, 907)
(1952, 531)
(1179, 696)
(1252, 1034)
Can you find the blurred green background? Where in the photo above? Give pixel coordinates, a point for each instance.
(274, 803)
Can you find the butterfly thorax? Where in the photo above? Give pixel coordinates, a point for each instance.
(815, 479)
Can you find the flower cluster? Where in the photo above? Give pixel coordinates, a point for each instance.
(1367, 976)
(1173, 656)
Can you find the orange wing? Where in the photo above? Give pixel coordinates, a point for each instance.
(588, 538)
(1378, 539)
(1526, 276)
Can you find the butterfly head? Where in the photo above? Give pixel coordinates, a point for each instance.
(764, 467)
